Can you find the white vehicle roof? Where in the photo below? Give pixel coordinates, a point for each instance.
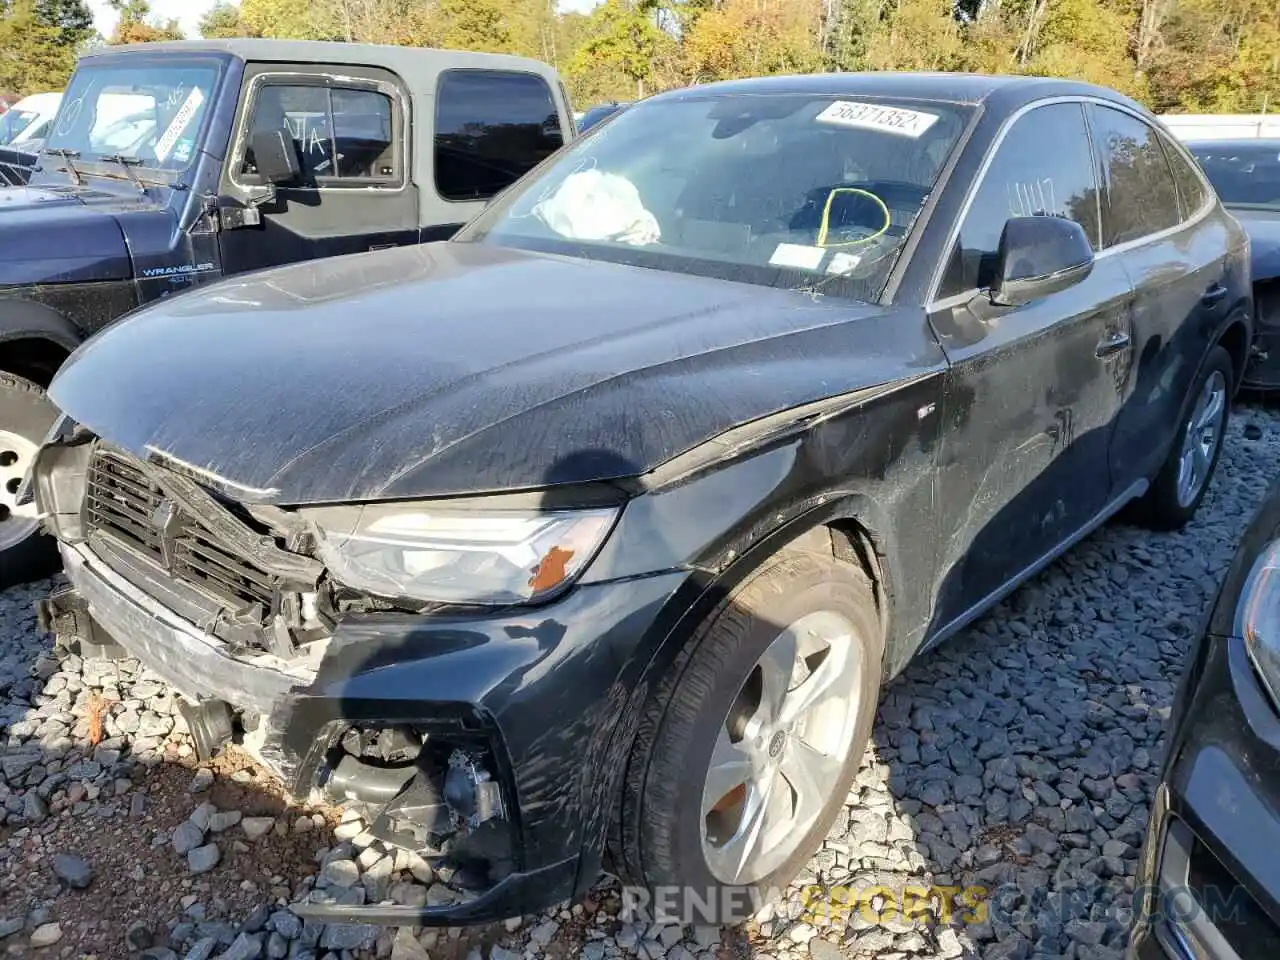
(43, 106)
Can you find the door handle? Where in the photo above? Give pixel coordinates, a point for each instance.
(1213, 294)
(1111, 344)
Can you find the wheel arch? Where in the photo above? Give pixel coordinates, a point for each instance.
(1236, 339)
(851, 526)
(35, 339)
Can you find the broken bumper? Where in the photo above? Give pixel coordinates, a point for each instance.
(544, 689)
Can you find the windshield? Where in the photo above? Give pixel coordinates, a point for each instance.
(783, 190)
(1243, 174)
(149, 111)
(15, 122)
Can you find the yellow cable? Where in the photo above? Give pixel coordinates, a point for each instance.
(826, 216)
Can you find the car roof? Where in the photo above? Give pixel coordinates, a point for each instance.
(400, 59)
(38, 102)
(1235, 143)
(970, 88)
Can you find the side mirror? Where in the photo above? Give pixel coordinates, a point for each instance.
(1039, 256)
(275, 156)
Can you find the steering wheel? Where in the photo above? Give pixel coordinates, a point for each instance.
(861, 217)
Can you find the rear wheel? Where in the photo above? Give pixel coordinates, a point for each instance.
(748, 746)
(26, 414)
(1182, 482)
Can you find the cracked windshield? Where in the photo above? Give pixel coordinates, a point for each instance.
(152, 113)
(786, 191)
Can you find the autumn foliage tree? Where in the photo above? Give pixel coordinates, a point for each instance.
(136, 24)
(1173, 54)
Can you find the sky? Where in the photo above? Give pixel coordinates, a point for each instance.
(189, 12)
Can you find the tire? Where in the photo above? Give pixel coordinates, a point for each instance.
(26, 415)
(1166, 505)
(659, 841)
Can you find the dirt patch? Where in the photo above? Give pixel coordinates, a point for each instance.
(137, 875)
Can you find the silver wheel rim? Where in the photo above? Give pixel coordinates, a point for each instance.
(16, 454)
(1203, 435)
(780, 750)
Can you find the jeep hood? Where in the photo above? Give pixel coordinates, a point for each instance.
(59, 236)
(457, 368)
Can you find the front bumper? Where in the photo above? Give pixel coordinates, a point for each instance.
(1208, 885)
(544, 688)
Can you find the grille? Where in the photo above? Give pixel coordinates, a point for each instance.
(121, 502)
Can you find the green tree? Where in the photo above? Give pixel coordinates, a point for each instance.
(222, 20)
(36, 55)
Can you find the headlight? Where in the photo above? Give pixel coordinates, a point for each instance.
(1258, 618)
(458, 553)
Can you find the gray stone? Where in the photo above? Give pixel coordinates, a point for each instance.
(255, 827)
(347, 936)
(246, 946)
(341, 873)
(202, 781)
(73, 870)
(203, 859)
(224, 820)
(139, 936)
(287, 924)
(202, 949)
(46, 935)
(10, 926)
(186, 837)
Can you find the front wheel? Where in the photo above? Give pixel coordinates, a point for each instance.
(1178, 488)
(26, 415)
(748, 746)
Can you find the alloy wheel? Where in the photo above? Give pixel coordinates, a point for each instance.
(1202, 438)
(781, 748)
(16, 454)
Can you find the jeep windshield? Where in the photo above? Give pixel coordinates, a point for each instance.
(152, 112)
(788, 190)
(1244, 175)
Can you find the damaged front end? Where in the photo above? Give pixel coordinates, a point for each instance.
(228, 603)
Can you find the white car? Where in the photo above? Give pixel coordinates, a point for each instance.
(27, 122)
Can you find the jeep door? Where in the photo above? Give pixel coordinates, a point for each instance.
(348, 126)
(1034, 388)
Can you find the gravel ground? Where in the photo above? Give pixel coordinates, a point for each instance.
(1015, 766)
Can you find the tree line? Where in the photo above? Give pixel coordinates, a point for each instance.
(1175, 55)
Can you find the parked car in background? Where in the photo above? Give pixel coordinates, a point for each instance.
(600, 112)
(601, 525)
(1246, 175)
(26, 124)
(174, 164)
(1207, 878)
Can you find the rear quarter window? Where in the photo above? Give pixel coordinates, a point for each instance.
(492, 127)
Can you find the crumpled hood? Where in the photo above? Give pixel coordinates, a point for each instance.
(1263, 227)
(460, 368)
(59, 236)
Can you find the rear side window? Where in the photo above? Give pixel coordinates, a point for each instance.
(1191, 189)
(341, 134)
(1139, 196)
(492, 126)
(1043, 167)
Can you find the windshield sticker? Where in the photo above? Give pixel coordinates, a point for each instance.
(797, 255)
(843, 263)
(870, 116)
(181, 120)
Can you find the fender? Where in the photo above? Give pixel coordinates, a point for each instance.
(22, 319)
(839, 507)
